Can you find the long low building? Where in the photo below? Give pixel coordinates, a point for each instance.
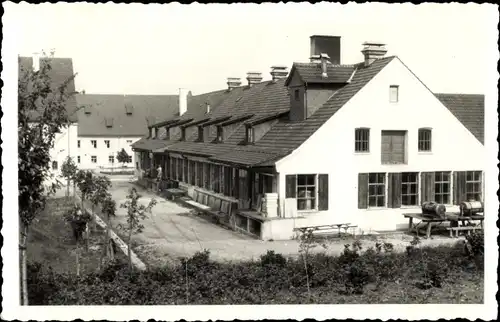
(327, 143)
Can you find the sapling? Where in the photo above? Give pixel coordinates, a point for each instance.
(108, 208)
(135, 214)
(307, 243)
(68, 171)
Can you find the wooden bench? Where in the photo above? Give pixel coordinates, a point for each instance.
(218, 207)
(468, 229)
(323, 228)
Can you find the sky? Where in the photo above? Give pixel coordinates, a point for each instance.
(156, 49)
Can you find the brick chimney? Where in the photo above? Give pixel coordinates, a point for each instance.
(254, 78)
(329, 45)
(373, 51)
(233, 82)
(278, 72)
(182, 101)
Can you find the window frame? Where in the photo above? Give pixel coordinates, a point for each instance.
(296, 95)
(250, 135)
(441, 183)
(473, 182)
(415, 183)
(78, 160)
(220, 134)
(305, 186)
(107, 143)
(54, 165)
(359, 137)
(94, 143)
(78, 144)
(391, 88)
(93, 158)
(129, 159)
(111, 159)
(376, 184)
(424, 144)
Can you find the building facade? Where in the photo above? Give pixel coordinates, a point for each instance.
(326, 144)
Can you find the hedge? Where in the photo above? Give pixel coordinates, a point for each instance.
(272, 279)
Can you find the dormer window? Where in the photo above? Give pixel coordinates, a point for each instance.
(167, 133)
(220, 134)
(200, 133)
(250, 135)
(128, 109)
(183, 134)
(207, 105)
(87, 109)
(109, 122)
(296, 95)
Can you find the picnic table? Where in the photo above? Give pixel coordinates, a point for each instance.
(427, 221)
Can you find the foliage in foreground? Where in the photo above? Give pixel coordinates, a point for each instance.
(376, 273)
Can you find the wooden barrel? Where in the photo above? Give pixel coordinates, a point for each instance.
(433, 209)
(471, 207)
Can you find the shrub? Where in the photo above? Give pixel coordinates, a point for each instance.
(272, 259)
(474, 244)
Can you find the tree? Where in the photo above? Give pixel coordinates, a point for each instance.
(108, 208)
(85, 182)
(41, 114)
(135, 213)
(68, 171)
(122, 157)
(98, 194)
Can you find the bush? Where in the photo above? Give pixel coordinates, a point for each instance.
(273, 279)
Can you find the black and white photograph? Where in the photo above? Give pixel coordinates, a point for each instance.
(249, 161)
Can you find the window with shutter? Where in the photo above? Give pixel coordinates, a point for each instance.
(427, 186)
(393, 147)
(306, 192)
(442, 187)
(376, 190)
(394, 197)
(473, 186)
(291, 188)
(409, 188)
(363, 190)
(323, 192)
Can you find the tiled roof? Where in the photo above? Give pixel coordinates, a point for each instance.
(311, 72)
(61, 71)
(288, 135)
(469, 109)
(146, 109)
(149, 144)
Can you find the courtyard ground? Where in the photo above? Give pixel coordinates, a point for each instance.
(174, 231)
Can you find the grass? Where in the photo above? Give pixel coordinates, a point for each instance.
(51, 242)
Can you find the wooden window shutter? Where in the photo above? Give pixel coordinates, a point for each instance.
(460, 193)
(363, 191)
(427, 186)
(291, 186)
(323, 192)
(394, 190)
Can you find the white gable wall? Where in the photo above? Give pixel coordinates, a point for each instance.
(102, 152)
(331, 149)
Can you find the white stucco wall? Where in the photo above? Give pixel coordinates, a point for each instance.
(331, 149)
(64, 145)
(102, 152)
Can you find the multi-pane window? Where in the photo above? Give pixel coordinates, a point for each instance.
(362, 140)
(129, 158)
(78, 143)
(220, 133)
(424, 139)
(376, 190)
(306, 191)
(54, 165)
(442, 187)
(409, 188)
(93, 159)
(250, 136)
(473, 183)
(78, 159)
(394, 93)
(111, 159)
(106, 142)
(93, 143)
